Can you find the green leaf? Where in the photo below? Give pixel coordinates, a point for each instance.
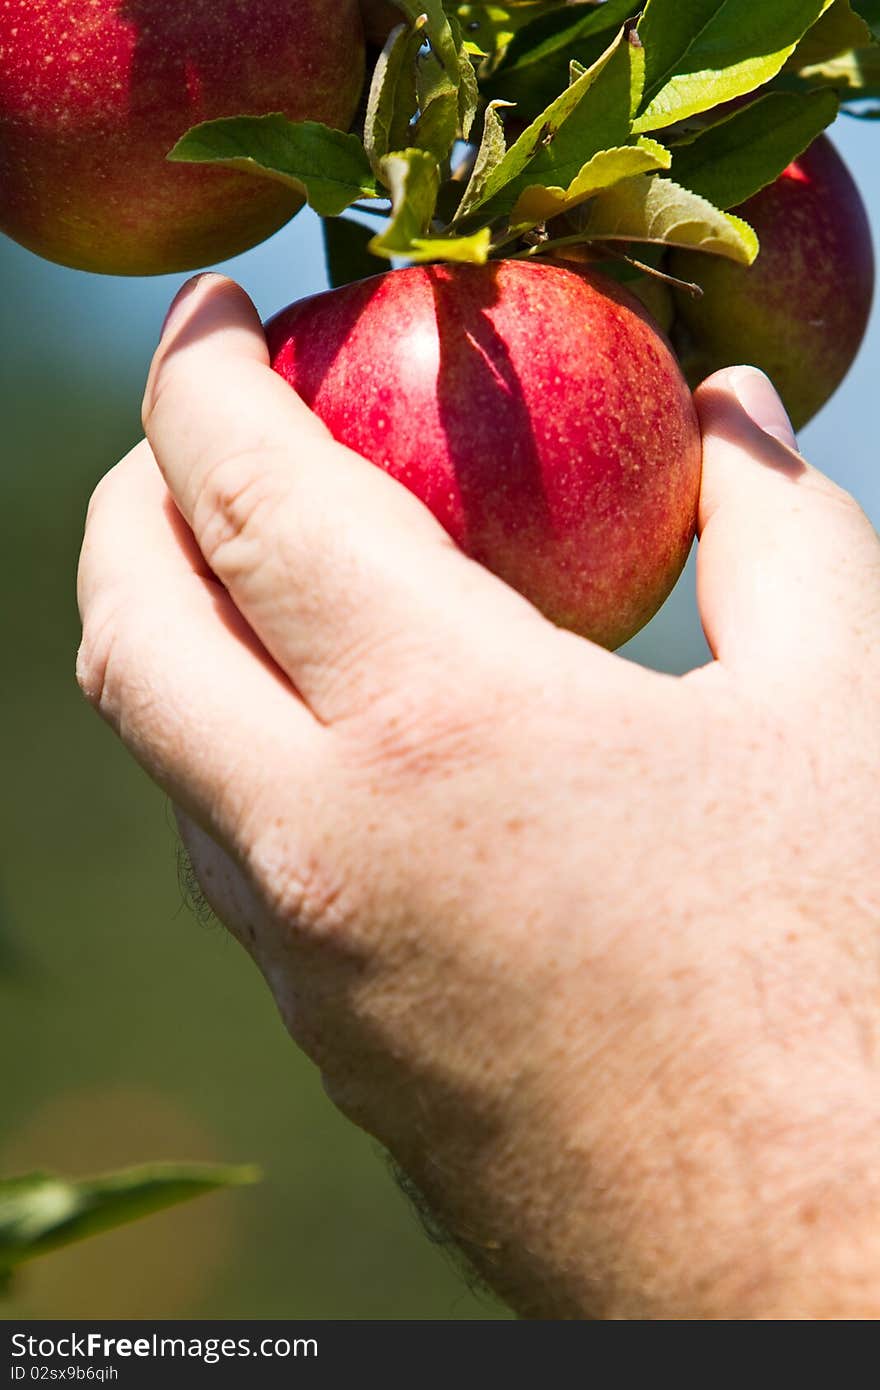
(493, 148)
(346, 250)
(444, 34)
(473, 249)
(393, 99)
(534, 66)
(700, 53)
(40, 1212)
(651, 209)
(437, 127)
(469, 87)
(593, 114)
(328, 168)
(854, 76)
(489, 28)
(839, 30)
(539, 203)
(737, 157)
(413, 179)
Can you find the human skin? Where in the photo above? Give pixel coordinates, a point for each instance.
(591, 950)
(94, 94)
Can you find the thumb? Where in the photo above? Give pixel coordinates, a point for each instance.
(789, 566)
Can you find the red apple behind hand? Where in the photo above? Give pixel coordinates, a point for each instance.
(536, 410)
(94, 93)
(801, 310)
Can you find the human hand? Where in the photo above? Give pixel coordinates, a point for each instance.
(591, 950)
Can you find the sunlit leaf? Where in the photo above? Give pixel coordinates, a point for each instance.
(539, 203)
(700, 53)
(413, 179)
(657, 210)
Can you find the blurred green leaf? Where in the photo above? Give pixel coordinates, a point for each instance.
(330, 169)
(650, 209)
(700, 53)
(488, 28)
(838, 30)
(40, 1212)
(854, 76)
(736, 157)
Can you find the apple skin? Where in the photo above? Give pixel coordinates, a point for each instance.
(535, 409)
(800, 312)
(654, 294)
(94, 93)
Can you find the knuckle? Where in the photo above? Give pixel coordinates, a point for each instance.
(97, 657)
(235, 511)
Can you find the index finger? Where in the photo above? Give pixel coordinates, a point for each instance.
(338, 568)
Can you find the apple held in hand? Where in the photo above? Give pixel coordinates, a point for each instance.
(94, 93)
(801, 310)
(536, 410)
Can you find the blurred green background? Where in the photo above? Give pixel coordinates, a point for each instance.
(129, 1030)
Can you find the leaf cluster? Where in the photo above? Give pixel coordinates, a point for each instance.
(514, 129)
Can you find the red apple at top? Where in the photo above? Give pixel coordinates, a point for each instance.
(801, 310)
(94, 93)
(535, 409)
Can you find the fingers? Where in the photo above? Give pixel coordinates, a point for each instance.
(338, 568)
(172, 666)
(788, 566)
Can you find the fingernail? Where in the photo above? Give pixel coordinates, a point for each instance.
(178, 303)
(760, 400)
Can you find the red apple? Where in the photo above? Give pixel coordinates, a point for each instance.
(535, 409)
(94, 93)
(801, 310)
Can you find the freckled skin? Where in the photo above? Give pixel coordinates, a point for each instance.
(535, 409)
(94, 93)
(800, 312)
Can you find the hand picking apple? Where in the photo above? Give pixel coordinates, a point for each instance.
(591, 950)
